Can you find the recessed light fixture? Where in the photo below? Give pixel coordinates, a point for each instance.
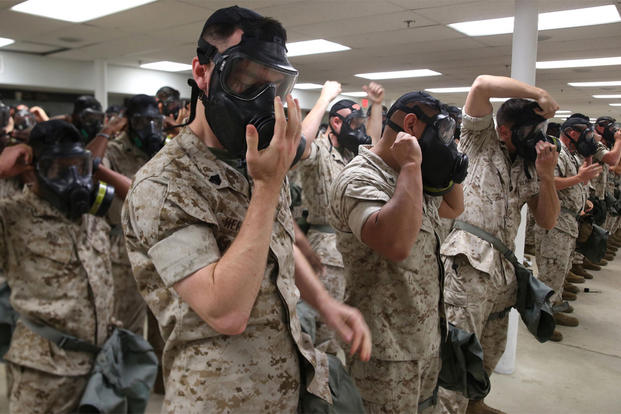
(547, 21)
(559, 112)
(312, 47)
(578, 63)
(594, 84)
(355, 94)
(307, 86)
(615, 104)
(4, 41)
(167, 66)
(457, 89)
(607, 96)
(399, 74)
(76, 11)
(498, 99)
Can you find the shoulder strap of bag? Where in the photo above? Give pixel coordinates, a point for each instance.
(64, 341)
(482, 234)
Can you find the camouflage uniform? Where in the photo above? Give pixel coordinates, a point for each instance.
(59, 273)
(400, 301)
(480, 284)
(183, 211)
(125, 158)
(555, 246)
(8, 188)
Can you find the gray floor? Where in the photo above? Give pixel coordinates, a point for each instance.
(581, 374)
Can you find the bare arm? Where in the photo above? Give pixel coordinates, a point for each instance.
(98, 145)
(487, 86)
(452, 203)
(302, 243)
(120, 182)
(375, 91)
(345, 320)
(612, 157)
(585, 173)
(310, 124)
(15, 160)
(391, 231)
(223, 293)
(546, 205)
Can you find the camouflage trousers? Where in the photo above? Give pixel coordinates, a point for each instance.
(397, 386)
(33, 391)
(326, 339)
(476, 302)
(129, 306)
(554, 250)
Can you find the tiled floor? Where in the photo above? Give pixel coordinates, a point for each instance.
(581, 374)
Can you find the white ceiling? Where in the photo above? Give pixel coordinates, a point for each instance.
(374, 29)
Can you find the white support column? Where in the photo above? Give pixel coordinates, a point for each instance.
(523, 60)
(101, 82)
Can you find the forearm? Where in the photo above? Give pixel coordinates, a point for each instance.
(453, 203)
(311, 289)
(120, 182)
(548, 204)
(487, 86)
(374, 127)
(561, 183)
(312, 121)
(98, 145)
(612, 157)
(224, 293)
(393, 229)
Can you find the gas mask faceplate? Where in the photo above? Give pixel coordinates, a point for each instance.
(89, 122)
(353, 131)
(146, 131)
(65, 180)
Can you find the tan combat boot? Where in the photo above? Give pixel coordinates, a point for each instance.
(573, 278)
(570, 288)
(479, 407)
(587, 264)
(565, 320)
(556, 336)
(577, 269)
(569, 296)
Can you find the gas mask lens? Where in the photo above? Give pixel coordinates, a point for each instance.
(90, 116)
(143, 122)
(355, 122)
(246, 78)
(61, 168)
(445, 125)
(24, 120)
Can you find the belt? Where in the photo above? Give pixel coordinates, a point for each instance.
(433, 400)
(499, 315)
(322, 228)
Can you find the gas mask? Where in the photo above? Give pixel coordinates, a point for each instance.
(245, 80)
(585, 144)
(353, 131)
(607, 123)
(171, 106)
(89, 122)
(443, 165)
(65, 180)
(526, 136)
(23, 122)
(146, 132)
(5, 114)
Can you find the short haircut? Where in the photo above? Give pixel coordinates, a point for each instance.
(511, 111)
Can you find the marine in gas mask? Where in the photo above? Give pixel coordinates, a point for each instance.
(23, 122)
(580, 134)
(88, 117)
(347, 126)
(607, 128)
(168, 101)
(145, 124)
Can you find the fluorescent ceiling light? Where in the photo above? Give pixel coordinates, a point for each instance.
(615, 104)
(559, 112)
(399, 74)
(6, 41)
(553, 20)
(311, 47)
(167, 66)
(457, 89)
(594, 84)
(76, 11)
(579, 63)
(498, 99)
(308, 86)
(607, 96)
(355, 94)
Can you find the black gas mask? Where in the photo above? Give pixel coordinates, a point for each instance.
(146, 131)
(528, 130)
(353, 131)
(89, 122)
(245, 80)
(65, 180)
(23, 122)
(5, 114)
(607, 123)
(585, 144)
(443, 165)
